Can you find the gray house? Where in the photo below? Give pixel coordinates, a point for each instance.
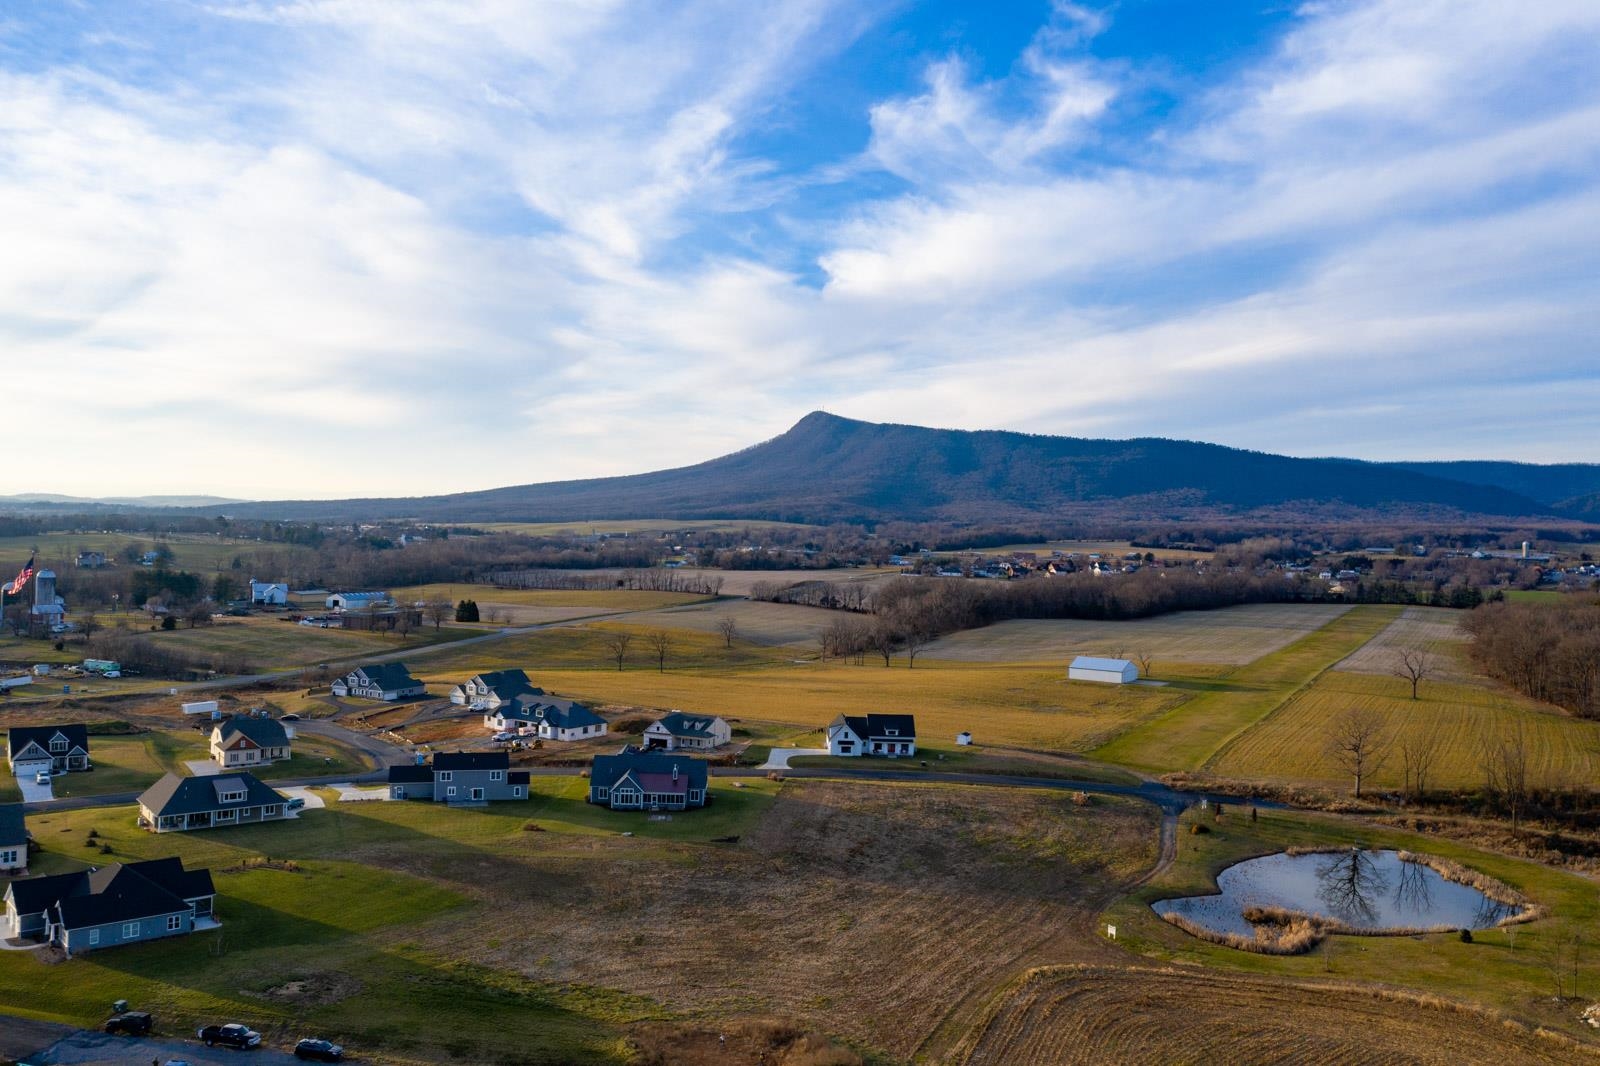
(118, 904)
(635, 780)
(175, 803)
(56, 748)
(379, 681)
(13, 841)
(460, 777)
(485, 692)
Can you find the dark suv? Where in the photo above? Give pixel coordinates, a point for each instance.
(319, 1050)
(132, 1022)
(232, 1035)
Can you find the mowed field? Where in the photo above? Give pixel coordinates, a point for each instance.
(270, 642)
(767, 624)
(1232, 635)
(1124, 1016)
(1436, 630)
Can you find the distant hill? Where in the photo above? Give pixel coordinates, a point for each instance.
(56, 499)
(1550, 484)
(829, 468)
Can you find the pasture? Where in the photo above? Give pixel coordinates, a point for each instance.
(272, 642)
(765, 624)
(1436, 630)
(1232, 635)
(195, 552)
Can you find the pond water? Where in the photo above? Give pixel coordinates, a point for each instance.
(1366, 890)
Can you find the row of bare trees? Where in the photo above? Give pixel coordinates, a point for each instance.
(1548, 651)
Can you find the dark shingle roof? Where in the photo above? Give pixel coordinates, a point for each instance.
(410, 775)
(881, 726)
(561, 714)
(508, 683)
(517, 777)
(608, 769)
(192, 795)
(77, 734)
(389, 676)
(265, 732)
(687, 725)
(120, 892)
(471, 760)
(13, 829)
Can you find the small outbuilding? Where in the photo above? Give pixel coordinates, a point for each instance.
(1106, 671)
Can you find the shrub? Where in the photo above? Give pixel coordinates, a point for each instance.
(1466, 936)
(1199, 827)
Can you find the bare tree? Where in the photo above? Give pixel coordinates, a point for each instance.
(616, 645)
(405, 619)
(1359, 743)
(1416, 666)
(885, 640)
(1144, 660)
(915, 639)
(727, 627)
(1419, 751)
(660, 642)
(1504, 760)
(199, 613)
(438, 611)
(89, 624)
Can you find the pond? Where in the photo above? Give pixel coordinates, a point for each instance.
(1365, 891)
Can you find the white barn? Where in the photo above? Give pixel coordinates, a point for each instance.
(1108, 671)
(269, 593)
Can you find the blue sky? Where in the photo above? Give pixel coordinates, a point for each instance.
(274, 248)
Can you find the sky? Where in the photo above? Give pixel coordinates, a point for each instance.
(334, 248)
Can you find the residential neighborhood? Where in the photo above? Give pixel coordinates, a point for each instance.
(242, 740)
(890, 735)
(121, 903)
(693, 732)
(460, 778)
(379, 681)
(532, 714)
(50, 749)
(634, 779)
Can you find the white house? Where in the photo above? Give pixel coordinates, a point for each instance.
(485, 692)
(1107, 671)
(699, 732)
(894, 735)
(357, 601)
(379, 681)
(269, 593)
(546, 717)
(242, 741)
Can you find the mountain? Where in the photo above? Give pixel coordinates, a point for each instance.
(56, 501)
(1552, 484)
(829, 468)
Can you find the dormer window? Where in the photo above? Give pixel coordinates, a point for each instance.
(58, 744)
(232, 797)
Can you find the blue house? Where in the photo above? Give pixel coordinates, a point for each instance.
(113, 905)
(460, 777)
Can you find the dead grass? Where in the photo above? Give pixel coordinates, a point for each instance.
(1070, 1016)
(766, 624)
(1436, 629)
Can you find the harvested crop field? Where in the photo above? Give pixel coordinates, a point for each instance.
(1233, 635)
(755, 622)
(1063, 1016)
(869, 911)
(1433, 629)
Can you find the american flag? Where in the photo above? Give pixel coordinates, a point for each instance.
(21, 580)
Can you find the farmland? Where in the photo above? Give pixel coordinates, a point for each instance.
(191, 551)
(756, 622)
(1233, 635)
(1432, 629)
(274, 643)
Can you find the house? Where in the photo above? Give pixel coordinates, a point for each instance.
(13, 840)
(697, 732)
(485, 692)
(269, 593)
(91, 560)
(460, 777)
(380, 681)
(59, 749)
(546, 717)
(1107, 671)
(242, 740)
(873, 734)
(636, 780)
(357, 601)
(175, 804)
(117, 904)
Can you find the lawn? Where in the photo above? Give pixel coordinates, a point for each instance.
(1215, 711)
(274, 643)
(131, 763)
(1487, 971)
(1232, 635)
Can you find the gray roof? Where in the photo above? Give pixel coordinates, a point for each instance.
(561, 714)
(387, 676)
(508, 683)
(195, 795)
(881, 726)
(120, 892)
(607, 770)
(13, 828)
(266, 732)
(1092, 662)
(77, 735)
(688, 725)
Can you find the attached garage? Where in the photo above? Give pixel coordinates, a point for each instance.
(1106, 671)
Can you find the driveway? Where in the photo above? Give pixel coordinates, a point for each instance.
(203, 768)
(778, 758)
(84, 1046)
(348, 793)
(32, 791)
(313, 801)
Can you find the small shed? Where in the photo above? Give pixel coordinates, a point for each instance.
(963, 738)
(1106, 671)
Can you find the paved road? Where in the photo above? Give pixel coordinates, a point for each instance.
(86, 1046)
(22, 1036)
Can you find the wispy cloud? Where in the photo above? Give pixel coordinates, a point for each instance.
(360, 247)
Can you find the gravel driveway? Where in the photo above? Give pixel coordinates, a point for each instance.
(85, 1046)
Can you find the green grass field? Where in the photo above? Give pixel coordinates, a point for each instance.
(272, 643)
(130, 763)
(1488, 971)
(1187, 736)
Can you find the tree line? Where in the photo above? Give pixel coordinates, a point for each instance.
(1547, 651)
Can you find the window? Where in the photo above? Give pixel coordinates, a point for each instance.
(174, 922)
(94, 937)
(58, 744)
(476, 794)
(517, 792)
(232, 797)
(269, 811)
(497, 775)
(8, 857)
(226, 816)
(451, 791)
(130, 930)
(447, 775)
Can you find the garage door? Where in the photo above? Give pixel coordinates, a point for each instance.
(28, 767)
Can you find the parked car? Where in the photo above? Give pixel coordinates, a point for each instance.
(500, 738)
(295, 803)
(231, 1035)
(291, 717)
(319, 1050)
(132, 1022)
(42, 777)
